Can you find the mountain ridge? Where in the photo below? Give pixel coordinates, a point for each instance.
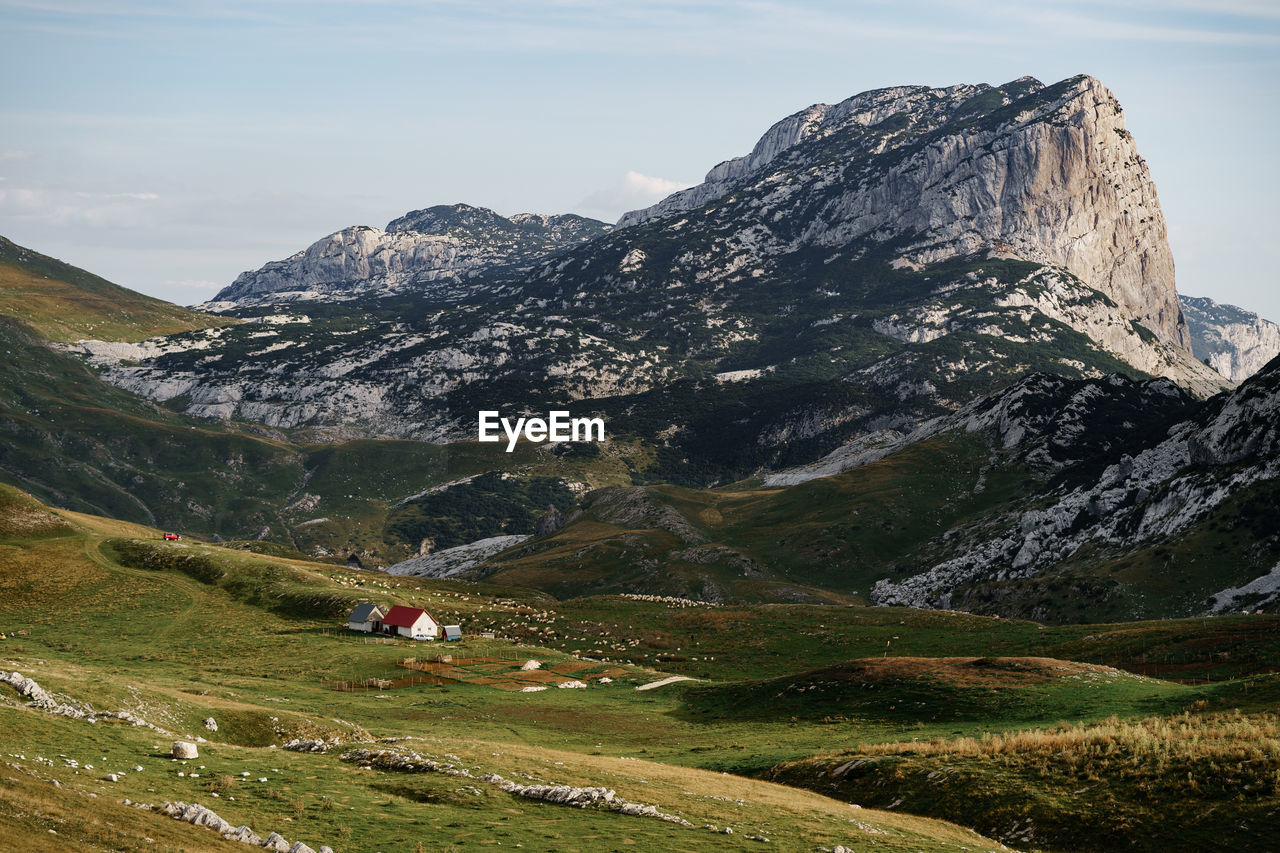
(1235, 342)
(877, 274)
(66, 303)
(437, 248)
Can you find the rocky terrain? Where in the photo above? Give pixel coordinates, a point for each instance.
(869, 266)
(1234, 342)
(1050, 175)
(1151, 492)
(1054, 499)
(439, 250)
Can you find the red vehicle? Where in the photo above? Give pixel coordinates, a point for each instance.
(172, 537)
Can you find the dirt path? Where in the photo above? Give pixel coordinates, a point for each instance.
(193, 589)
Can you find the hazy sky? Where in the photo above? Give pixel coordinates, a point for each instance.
(169, 146)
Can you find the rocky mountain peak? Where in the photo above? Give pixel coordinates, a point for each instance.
(443, 218)
(1048, 174)
(436, 248)
(870, 265)
(1231, 340)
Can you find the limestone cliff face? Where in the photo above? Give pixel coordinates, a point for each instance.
(1050, 173)
(437, 249)
(1234, 342)
(870, 265)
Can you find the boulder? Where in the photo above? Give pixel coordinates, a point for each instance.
(276, 841)
(184, 749)
(244, 835)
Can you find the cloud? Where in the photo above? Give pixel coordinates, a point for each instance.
(634, 191)
(75, 207)
(14, 155)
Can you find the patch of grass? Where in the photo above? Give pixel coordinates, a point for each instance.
(174, 649)
(65, 303)
(1185, 782)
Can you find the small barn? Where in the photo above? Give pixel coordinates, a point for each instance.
(367, 618)
(412, 622)
(453, 632)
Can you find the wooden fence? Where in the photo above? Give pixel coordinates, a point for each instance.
(378, 684)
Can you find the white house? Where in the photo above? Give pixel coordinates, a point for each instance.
(412, 622)
(367, 618)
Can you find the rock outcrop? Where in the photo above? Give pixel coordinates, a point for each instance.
(453, 561)
(896, 256)
(198, 815)
(1152, 494)
(437, 249)
(1051, 174)
(184, 749)
(1234, 342)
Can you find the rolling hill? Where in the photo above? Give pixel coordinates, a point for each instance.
(241, 653)
(65, 303)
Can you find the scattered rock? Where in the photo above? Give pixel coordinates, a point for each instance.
(211, 724)
(566, 795)
(309, 745)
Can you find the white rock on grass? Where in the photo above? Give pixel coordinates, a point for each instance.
(184, 749)
(530, 665)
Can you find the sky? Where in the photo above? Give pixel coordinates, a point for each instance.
(169, 146)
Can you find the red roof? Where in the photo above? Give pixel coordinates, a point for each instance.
(403, 617)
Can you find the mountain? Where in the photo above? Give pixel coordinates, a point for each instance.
(79, 443)
(440, 250)
(66, 303)
(1199, 497)
(1056, 499)
(872, 265)
(1234, 342)
(1049, 175)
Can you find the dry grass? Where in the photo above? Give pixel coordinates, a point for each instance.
(1230, 749)
(64, 311)
(977, 671)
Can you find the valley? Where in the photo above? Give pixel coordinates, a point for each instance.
(920, 511)
(177, 633)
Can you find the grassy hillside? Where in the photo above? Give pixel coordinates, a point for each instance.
(837, 534)
(832, 538)
(179, 633)
(1105, 785)
(103, 612)
(65, 303)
